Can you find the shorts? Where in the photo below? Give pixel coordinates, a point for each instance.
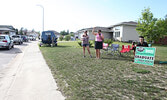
(98, 44)
(85, 45)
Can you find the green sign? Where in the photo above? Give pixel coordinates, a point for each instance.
(145, 55)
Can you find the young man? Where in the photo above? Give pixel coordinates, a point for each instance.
(142, 43)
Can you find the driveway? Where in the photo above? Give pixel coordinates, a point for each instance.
(27, 77)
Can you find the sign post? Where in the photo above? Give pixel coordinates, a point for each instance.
(145, 56)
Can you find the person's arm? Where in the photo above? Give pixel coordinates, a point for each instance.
(82, 38)
(101, 36)
(93, 31)
(87, 36)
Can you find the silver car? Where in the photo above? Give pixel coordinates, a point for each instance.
(6, 42)
(17, 39)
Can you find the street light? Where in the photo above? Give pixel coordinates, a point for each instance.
(43, 14)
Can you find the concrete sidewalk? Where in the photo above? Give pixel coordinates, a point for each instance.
(28, 77)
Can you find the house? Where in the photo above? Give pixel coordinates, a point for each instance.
(30, 32)
(124, 31)
(7, 29)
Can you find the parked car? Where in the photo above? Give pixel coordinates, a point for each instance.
(32, 37)
(17, 39)
(6, 42)
(25, 38)
(48, 37)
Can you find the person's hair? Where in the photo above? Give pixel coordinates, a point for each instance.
(86, 33)
(133, 43)
(141, 37)
(99, 30)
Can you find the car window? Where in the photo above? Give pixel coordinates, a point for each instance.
(15, 36)
(2, 37)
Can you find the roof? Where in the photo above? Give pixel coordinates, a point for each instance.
(103, 29)
(55, 32)
(7, 26)
(4, 29)
(132, 23)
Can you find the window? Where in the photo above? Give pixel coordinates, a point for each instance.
(117, 34)
(117, 28)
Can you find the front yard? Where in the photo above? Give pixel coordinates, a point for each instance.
(108, 78)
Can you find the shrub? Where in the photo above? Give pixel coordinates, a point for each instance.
(108, 41)
(80, 43)
(67, 37)
(61, 38)
(90, 43)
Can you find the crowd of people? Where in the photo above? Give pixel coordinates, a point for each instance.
(99, 43)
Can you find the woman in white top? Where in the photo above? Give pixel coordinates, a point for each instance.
(85, 43)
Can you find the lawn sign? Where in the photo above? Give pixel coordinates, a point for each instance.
(145, 56)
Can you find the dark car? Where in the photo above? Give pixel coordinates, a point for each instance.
(25, 38)
(49, 37)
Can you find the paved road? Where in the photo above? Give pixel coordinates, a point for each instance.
(27, 77)
(8, 55)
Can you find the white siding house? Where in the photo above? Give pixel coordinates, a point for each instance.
(125, 31)
(7, 29)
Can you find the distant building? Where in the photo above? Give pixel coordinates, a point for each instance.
(7, 29)
(34, 33)
(124, 31)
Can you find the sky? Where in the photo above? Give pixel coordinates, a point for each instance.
(74, 15)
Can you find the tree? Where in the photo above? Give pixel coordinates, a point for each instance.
(67, 32)
(25, 31)
(72, 34)
(32, 30)
(67, 37)
(61, 38)
(160, 29)
(147, 25)
(21, 31)
(63, 33)
(17, 32)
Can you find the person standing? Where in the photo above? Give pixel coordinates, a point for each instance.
(85, 43)
(98, 42)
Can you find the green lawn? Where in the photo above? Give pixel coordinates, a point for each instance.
(108, 78)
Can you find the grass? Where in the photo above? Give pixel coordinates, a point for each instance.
(109, 78)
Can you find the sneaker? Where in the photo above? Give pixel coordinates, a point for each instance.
(84, 56)
(90, 56)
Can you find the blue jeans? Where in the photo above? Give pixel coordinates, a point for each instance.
(85, 45)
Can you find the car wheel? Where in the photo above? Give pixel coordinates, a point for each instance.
(8, 47)
(12, 46)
